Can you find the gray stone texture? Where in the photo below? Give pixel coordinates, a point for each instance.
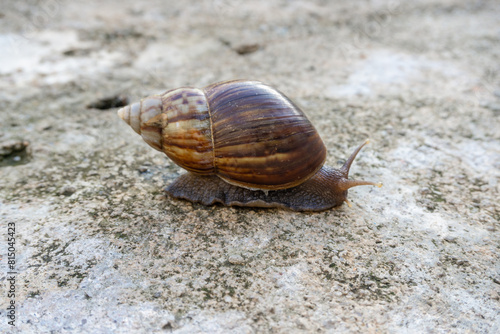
(101, 249)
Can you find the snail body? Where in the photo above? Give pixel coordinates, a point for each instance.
(244, 143)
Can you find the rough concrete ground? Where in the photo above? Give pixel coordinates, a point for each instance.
(100, 249)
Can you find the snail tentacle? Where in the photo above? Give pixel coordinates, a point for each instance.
(344, 183)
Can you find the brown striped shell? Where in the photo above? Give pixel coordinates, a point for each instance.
(245, 132)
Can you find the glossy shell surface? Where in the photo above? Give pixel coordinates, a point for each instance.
(261, 139)
(247, 133)
(187, 138)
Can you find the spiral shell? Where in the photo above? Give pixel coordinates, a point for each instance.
(245, 132)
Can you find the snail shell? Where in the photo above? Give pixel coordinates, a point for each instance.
(245, 133)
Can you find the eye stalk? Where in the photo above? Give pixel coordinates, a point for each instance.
(345, 183)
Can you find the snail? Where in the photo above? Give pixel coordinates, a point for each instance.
(243, 143)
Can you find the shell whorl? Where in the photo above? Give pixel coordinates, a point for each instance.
(261, 138)
(137, 115)
(247, 133)
(187, 139)
(177, 123)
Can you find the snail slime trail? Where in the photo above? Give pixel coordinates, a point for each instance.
(236, 137)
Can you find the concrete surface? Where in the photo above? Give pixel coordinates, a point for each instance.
(100, 249)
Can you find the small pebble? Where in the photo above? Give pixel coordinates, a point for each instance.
(450, 238)
(12, 146)
(143, 169)
(247, 48)
(68, 190)
(236, 259)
